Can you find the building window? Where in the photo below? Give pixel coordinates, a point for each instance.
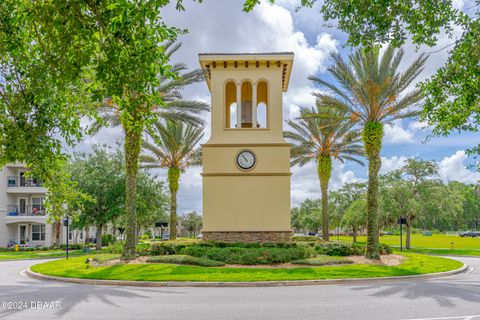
(38, 232)
(37, 206)
(230, 105)
(81, 234)
(70, 235)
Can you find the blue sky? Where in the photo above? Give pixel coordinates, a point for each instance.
(221, 26)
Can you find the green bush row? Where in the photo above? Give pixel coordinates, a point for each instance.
(184, 259)
(249, 256)
(306, 238)
(347, 249)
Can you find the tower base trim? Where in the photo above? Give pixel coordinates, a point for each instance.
(247, 236)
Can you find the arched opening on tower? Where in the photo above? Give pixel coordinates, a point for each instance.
(230, 105)
(262, 104)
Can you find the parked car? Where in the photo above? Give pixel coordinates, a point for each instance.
(470, 233)
(299, 235)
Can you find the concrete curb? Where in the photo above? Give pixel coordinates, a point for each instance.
(287, 283)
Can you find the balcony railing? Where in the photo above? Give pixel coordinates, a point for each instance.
(15, 181)
(25, 210)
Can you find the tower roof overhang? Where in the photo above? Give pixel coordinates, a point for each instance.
(282, 60)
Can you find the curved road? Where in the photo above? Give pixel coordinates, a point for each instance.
(454, 297)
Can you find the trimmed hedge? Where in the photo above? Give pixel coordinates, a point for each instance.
(248, 253)
(347, 249)
(306, 238)
(75, 246)
(249, 256)
(184, 259)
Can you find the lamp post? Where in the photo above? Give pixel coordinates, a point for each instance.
(66, 223)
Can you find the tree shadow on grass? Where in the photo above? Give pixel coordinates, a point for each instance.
(444, 291)
(69, 295)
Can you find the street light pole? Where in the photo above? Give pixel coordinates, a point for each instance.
(66, 223)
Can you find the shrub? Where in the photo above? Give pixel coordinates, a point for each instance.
(143, 249)
(335, 249)
(305, 238)
(347, 249)
(167, 247)
(385, 249)
(323, 261)
(184, 259)
(75, 246)
(116, 248)
(248, 256)
(108, 239)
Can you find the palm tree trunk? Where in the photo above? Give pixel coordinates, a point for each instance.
(173, 178)
(132, 151)
(324, 173)
(372, 139)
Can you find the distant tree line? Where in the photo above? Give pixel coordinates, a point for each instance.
(414, 192)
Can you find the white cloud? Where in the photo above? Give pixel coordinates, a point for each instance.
(396, 134)
(393, 163)
(453, 169)
(417, 125)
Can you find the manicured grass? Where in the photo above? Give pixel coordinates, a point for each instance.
(77, 268)
(456, 252)
(323, 260)
(436, 241)
(184, 259)
(13, 255)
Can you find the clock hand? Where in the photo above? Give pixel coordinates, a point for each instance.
(244, 158)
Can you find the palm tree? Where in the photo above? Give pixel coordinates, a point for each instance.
(172, 108)
(373, 92)
(319, 135)
(174, 148)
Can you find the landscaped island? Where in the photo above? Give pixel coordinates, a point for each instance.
(176, 261)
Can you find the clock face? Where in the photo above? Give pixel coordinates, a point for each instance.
(246, 160)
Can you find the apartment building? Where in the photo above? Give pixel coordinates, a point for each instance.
(23, 218)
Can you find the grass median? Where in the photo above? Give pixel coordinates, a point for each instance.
(414, 264)
(437, 244)
(40, 254)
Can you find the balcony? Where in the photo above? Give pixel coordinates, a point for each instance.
(25, 210)
(15, 181)
(18, 185)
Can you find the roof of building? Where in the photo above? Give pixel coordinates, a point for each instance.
(283, 60)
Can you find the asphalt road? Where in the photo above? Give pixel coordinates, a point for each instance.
(454, 297)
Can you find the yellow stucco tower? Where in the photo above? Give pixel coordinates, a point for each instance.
(246, 161)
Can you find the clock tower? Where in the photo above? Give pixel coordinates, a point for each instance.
(246, 161)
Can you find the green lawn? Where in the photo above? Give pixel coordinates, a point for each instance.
(437, 241)
(77, 268)
(13, 255)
